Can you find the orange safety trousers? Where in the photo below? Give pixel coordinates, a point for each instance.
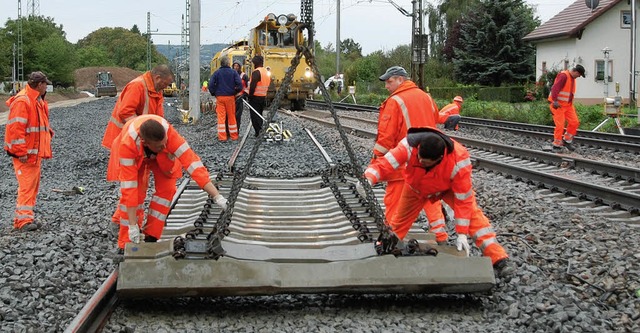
(480, 229)
(560, 115)
(226, 111)
(28, 176)
(392, 194)
(165, 189)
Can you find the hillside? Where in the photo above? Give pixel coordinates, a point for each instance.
(85, 78)
(207, 51)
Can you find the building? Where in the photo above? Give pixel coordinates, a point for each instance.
(578, 35)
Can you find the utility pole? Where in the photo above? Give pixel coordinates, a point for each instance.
(33, 7)
(194, 60)
(20, 68)
(419, 43)
(338, 38)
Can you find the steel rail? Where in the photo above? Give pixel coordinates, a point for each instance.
(615, 198)
(96, 312)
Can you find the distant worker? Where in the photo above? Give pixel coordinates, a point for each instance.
(407, 106)
(437, 167)
(241, 96)
(450, 114)
(143, 95)
(561, 106)
(224, 84)
(27, 139)
(205, 86)
(150, 144)
(258, 87)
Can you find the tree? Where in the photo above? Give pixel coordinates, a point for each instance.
(442, 19)
(45, 48)
(491, 50)
(91, 56)
(351, 49)
(123, 47)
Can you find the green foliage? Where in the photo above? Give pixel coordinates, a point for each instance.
(492, 51)
(91, 56)
(45, 48)
(123, 48)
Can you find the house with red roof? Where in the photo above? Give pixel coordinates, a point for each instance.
(599, 39)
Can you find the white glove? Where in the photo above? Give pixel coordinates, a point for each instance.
(221, 201)
(134, 233)
(462, 243)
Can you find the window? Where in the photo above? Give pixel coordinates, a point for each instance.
(600, 70)
(566, 65)
(544, 67)
(625, 19)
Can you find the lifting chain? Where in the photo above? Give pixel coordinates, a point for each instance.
(220, 229)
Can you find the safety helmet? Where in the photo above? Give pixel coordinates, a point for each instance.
(458, 99)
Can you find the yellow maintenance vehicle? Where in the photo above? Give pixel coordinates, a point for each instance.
(275, 38)
(105, 85)
(171, 90)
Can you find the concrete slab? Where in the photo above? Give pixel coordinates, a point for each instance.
(141, 275)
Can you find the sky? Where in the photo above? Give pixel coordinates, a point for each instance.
(374, 24)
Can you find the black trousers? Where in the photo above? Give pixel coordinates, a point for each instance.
(239, 106)
(257, 102)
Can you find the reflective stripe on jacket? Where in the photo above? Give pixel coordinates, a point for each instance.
(453, 173)
(128, 156)
(262, 86)
(565, 96)
(137, 98)
(408, 106)
(448, 110)
(27, 132)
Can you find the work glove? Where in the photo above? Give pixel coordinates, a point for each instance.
(556, 104)
(134, 233)
(462, 243)
(221, 201)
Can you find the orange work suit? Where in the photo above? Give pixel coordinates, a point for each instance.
(27, 134)
(449, 180)
(447, 112)
(138, 97)
(408, 106)
(226, 111)
(566, 111)
(130, 164)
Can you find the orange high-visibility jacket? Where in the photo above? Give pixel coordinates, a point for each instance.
(138, 97)
(407, 107)
(565, 96)
(262, 86)
(128, 156)
(447, 110)
(452, 173)
(27, 131)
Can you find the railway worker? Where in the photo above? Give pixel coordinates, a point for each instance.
(258, 87)
(27, 140)
(437, 167)
(224, 84)
(148, 143)
(407, 106)
(561, 106)
(143, 95)
(449, 115)
(244, 78)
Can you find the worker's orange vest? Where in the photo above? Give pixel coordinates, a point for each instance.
(27, 130)
(130, 105)
(565, 96)
(263, 85)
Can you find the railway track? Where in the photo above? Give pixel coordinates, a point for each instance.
(614, 185)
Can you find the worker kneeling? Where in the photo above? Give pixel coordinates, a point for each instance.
(439, 168)
(148, 143)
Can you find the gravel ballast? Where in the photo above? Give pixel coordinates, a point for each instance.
(577, 272)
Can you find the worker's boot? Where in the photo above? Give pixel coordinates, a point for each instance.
(569, 145)
(504, 268)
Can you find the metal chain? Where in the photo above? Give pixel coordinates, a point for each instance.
(220, 229)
